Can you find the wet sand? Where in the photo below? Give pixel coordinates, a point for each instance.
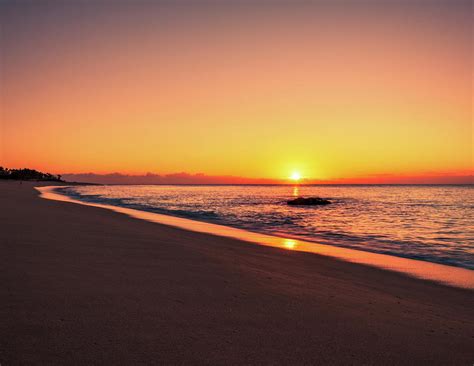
(85, 285)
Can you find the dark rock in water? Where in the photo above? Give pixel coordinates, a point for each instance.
(310, 201)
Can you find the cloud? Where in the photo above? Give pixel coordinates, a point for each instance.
(425, 178)
(200, 178)
(175, 178)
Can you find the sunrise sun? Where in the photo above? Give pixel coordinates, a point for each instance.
(296, 176)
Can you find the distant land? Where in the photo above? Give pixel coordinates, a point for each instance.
(28, 174)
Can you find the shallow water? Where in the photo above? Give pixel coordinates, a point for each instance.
(431, 223)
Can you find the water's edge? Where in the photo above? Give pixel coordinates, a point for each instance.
(448, 275)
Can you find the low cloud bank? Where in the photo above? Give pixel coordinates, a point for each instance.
(177, 178)
(408, 179)
(187, 178)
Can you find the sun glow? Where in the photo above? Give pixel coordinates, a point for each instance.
(296, 176)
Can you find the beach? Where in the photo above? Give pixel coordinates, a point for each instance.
(85, 285)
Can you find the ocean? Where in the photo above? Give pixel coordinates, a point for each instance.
(429, 223)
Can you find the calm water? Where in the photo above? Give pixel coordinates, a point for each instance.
(432, 223)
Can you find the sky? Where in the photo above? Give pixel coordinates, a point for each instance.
(239, 91)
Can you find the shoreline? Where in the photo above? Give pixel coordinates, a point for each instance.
(86, 285)
(425, 270)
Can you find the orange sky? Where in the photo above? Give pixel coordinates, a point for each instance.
(257, 91)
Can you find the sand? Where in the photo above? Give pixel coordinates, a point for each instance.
(84, 285)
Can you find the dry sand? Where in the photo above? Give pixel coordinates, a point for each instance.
(84, 285)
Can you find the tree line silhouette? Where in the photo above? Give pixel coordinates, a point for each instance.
(27, 174)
